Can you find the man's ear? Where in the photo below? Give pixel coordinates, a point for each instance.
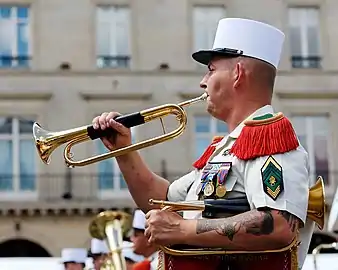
(238, 74)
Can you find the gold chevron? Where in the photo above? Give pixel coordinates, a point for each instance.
(275, 193)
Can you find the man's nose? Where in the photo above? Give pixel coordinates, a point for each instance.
(203, 83)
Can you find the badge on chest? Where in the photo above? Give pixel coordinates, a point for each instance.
(213, 180)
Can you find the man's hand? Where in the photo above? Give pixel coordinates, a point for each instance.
(165, 227)
(122, 137)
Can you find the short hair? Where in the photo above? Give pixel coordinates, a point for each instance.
(263, 73)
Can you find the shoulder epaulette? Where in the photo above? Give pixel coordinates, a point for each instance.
(202, 161)
(268, 134)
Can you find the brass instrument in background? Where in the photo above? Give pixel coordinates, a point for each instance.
(46, 141)
(317, 250)
(316, 210)
(111, 226)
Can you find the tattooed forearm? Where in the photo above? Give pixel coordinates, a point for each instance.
(254, 222)
(228, 230)
(262, 226)
(291, 220)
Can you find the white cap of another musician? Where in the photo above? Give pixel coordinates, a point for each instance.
(244, 37)
(98, 246)
(139, 220)
(76, 255)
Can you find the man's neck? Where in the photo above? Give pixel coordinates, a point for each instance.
(239, 114)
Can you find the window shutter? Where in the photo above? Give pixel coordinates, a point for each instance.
(215, 14)
(122, 31)
(200, 29)
(312, 31)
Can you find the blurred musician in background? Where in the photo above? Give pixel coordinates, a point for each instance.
(141, 244)
(98, 252)
(130, 256)
(74, 258)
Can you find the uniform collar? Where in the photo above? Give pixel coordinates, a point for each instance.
(237, 131)
(261, 111)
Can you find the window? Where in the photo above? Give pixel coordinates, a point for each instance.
(313, 133)
(205, 21)
(206, 128)
(113, 34)
(109, 175)
(17, 162)
(304, 37)
(15, 45)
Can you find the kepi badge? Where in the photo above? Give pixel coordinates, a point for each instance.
(272, 177)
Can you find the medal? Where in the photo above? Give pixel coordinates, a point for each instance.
(209, 189)
(220, 191)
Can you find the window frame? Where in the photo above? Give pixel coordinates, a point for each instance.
(14, 38)
(194, 46)
(309, 135)
(111, 57)
(313, 105)
(16, 193)
(304, 56)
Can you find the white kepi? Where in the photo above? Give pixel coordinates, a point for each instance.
(75, 255)
(139, 220)
(98, 246)
(243, 37)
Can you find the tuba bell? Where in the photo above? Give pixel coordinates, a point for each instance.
(111, 226)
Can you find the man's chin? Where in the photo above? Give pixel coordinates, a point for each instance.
(210, 109)
(137, 252)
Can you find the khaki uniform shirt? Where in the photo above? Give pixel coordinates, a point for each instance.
(245, 178)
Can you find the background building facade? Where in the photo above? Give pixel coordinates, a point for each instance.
(64, 62)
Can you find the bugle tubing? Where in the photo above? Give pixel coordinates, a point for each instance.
(46, 141)
(315, 212)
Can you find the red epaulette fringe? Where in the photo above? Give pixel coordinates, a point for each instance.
(202, 161)
(270, 136)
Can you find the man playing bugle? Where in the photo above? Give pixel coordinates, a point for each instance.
(260, 161)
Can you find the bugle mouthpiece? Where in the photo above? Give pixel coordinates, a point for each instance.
(204, 96)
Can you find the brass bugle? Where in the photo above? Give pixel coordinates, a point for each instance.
(46, 141)
(315, 211)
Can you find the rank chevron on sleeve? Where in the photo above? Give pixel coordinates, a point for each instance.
(272, 177)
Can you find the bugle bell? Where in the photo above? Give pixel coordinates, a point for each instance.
(46, 141)
(111, 226)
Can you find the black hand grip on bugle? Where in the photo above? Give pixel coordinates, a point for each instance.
(215, 208)
(128, 120)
